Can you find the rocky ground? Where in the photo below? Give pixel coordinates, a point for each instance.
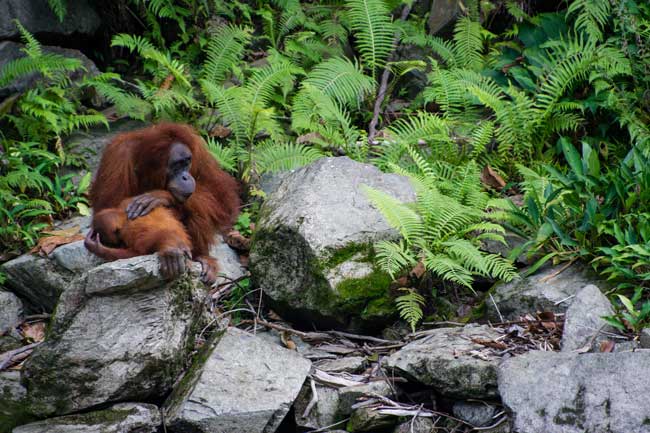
(127, 351)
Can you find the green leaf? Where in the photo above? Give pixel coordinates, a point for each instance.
(572, 156)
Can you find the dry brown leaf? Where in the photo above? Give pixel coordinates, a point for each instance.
(33, 332)
(70, 231)
(220, 131)
(491, 178)
(418, 270)
(167, 83)
(490, 343)
(239, 242)
(607, 346)
(274, 316)
(47, 244)
(285, 337)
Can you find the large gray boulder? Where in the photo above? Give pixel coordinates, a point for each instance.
(442, 13)
(312, 252)
(120, 332)
(120, 418)
(241, 384)
(551, 289)
(450, 362)
(11, 311)
(13, 401)
(584, 322)
(12, 50)
(554, 392)
(37, 17)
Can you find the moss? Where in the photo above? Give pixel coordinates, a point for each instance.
(109, 416)
(369, 297)
(360, 252)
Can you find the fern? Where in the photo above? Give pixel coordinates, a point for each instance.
(59, 7)
(224, 51)
(373, 31)
(468, 43)
(591, 16)
(341, 79)
(274, 157)
(409, 307)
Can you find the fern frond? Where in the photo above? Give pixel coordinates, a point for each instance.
(468, 45)
(225, 49)
(409, 307)
(398, 215)
(262, 83)
(373, 31)
(394, 257)
(341, 79)
(59, 7)
(274, 157)
(424, 126)
(448, 269)
(591, 16)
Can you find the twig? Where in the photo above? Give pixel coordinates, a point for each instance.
(381, 94)
(307, 335)
(496, 307)
(314, 398)
(559, 271)
(9, 355)
(361, 337)
(328, 427)
(414, 418)
(43, 316)
(332, 380)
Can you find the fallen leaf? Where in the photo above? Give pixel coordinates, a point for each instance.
(418, 270)
(285, 337)
(490, 343)
(220, 131)
(491, 178)
(607, 346)
(70, 231)
(33, 332)
(238, 241)
(48, 244)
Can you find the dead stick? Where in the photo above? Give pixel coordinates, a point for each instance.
(383, 86)
(9, 355)
(314, 398)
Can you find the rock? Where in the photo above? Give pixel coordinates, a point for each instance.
(107, 344)
(11, 311)
(419, 425)
(544, 291)
(91, 143)
(12, 50)
(312, 252)
(37, 280)
(367, 419)
(349, 395)
(230, 268)
(41, 280)
(644, 338)
(512, 241)
(270, 182)
(477, 414)
(442, 13)
(241, 384)
(348, 364)
(323, 413)
(120, 418)
(12, 401)
(37, 17)
(583, 321)
(571, 393)
(444, 361)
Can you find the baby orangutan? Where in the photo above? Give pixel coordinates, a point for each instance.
(116, 236)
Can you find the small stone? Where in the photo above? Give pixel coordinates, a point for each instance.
(419, 425)
(324, 413)
(584, 322)
(369, 420)
(348, 364)
(350, 395)
(11, 311)
(477, 414)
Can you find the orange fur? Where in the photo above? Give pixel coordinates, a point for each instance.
(135, 162)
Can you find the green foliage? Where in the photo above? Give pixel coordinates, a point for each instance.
(59, 7)
(442, 230)
(373, 31)
(409, 307)
(629, 318)
(34, 124)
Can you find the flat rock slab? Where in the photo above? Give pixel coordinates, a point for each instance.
(121, 418)
(450, 362)
(128, 344)
(554, 392)
(243, 384)
(551, 289)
